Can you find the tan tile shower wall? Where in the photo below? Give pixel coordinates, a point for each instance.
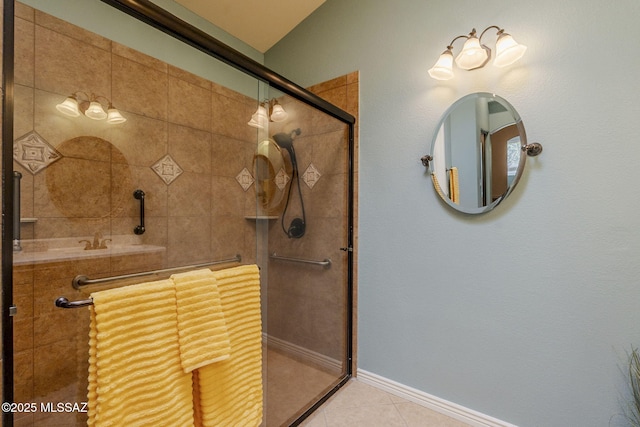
(198, 217)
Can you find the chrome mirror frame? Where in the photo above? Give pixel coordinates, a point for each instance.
(434, 161)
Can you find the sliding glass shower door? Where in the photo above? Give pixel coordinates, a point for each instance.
(308, 299)
(114, 201)
(178, 171)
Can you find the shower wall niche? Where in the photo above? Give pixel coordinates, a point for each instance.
(187, 145)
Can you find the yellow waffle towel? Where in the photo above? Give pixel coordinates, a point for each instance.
(202, 330)
(454, 185)
(229, 393)
(135, 375)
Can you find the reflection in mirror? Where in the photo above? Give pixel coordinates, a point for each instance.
(271, 174)
(477, 153)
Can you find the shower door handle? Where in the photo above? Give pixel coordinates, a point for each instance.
(17, 176)
(139, 194)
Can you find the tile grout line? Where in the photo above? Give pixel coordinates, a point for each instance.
(395, 405)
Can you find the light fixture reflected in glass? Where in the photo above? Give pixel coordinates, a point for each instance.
(95, 111)
(260, 118)
(254, 122)
(114, 117)
(475, 55)
(277, 113)
(268, 110)
(69, 107)
(91, 107)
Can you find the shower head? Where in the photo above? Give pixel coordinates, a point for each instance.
(285, 140)
(297, 227)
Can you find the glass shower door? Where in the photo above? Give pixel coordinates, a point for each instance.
(166, 188)
(308, 316)
(183, 181)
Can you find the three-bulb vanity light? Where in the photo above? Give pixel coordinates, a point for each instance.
(268, 110)
(90, 105)
(475, 55)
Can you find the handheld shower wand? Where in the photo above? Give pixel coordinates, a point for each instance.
(297, 227)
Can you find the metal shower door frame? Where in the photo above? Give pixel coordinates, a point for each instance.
(160, 19)
(8, 309)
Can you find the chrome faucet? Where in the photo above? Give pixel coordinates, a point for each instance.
(96, 240)
(97, 244)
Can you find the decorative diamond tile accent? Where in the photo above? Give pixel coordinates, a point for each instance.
(282, 179)
(167, 169)
(311, 176)
(34, 153)
(245, 179)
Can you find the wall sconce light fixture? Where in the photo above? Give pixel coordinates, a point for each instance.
(80, 103)
(268, 110)
(475, 55)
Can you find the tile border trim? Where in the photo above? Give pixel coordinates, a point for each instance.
(297, 352)
(427, 400)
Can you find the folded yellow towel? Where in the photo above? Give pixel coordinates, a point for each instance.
(229, 393)
(92, 398)
(202, 330)
(135, 375)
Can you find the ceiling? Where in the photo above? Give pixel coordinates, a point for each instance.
(258, 23)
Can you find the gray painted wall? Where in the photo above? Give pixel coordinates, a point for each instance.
(526, 313)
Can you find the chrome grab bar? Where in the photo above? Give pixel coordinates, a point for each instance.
(79, 281)
(63, 302)
(325, 263)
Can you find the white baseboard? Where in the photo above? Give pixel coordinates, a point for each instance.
(421, 398)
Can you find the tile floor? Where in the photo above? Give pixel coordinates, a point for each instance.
(360, 405)
(293, 384)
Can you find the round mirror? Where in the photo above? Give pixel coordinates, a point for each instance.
(270, 170)
(478, 153)
(91, 180)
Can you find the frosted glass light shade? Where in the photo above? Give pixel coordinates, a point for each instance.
(95, 111)
(278, 114)
(254, 122)
(507, 50)
(259, 119)
(443, 68)
(69, 107)
(114, 117)
(473, 55)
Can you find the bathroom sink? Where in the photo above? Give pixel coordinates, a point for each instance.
(66, 249)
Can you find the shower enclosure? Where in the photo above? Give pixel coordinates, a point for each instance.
(135, 146)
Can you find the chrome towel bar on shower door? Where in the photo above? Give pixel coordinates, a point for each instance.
(79, 281)
(325, 263)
